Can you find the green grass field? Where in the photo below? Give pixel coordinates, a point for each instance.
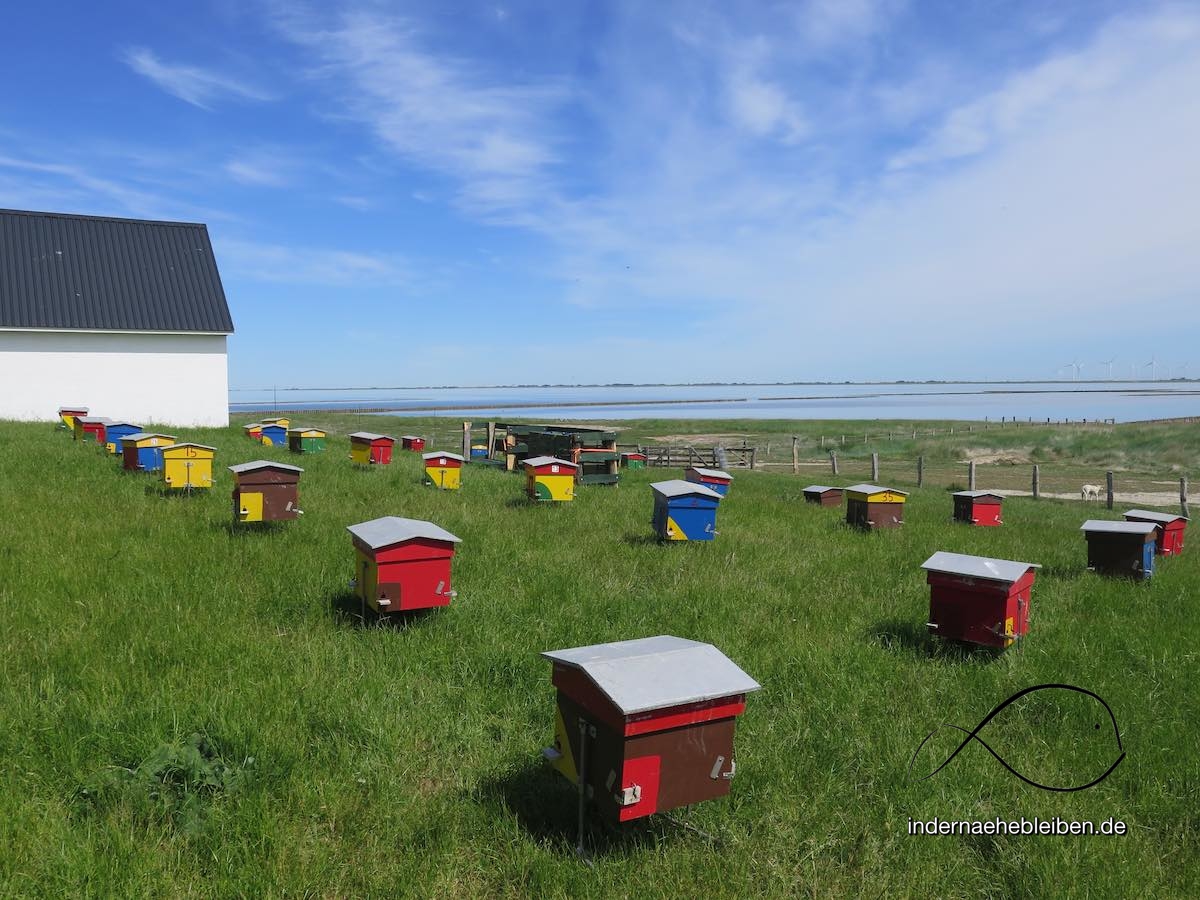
(188, 711)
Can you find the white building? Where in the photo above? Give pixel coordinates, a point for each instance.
(124, 316)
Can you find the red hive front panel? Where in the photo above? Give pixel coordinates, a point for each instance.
(990, 613)
(415, 575)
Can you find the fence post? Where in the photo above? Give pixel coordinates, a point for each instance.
(491, 439)
(1108, 481)
(822, 442)
(1037, 481)
(833, 460)
(914, 434)
(795, 455)
(753, 456)
(971, 475)
(920, 471)
(466, 440)
(1183, 497)
(874, 467)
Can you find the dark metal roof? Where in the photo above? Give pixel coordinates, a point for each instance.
(62, 271)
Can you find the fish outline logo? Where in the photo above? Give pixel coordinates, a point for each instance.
(973, 735)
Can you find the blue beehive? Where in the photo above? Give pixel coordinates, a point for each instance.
(117, 430)
(684, 511)
(275, 435)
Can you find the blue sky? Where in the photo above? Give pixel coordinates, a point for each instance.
(471, 192)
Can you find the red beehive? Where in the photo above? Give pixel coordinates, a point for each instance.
(412, 442)
(402, 564)
(978, 507)
(823, 495)
(1169, 541)
(647, 725)
(977, 599)
(369, 448)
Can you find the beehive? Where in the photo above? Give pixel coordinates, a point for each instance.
(978, 507)
(713, 479)
(823, 495)
(266, 491)
(1121, 548)
(632, 459)
(142, 452)
(402, 564)
(305, 440)
(1169, 539)
(646, 726)
(871, 506)
(368, 448)
(548, 478)
(254, 431)
(274, 435)
(978, 599)
(91, 430)
(412, 442)
(115, 431)
(67, 414)
(684, 511)
(443, 470)
(282, 421)
(188, 466)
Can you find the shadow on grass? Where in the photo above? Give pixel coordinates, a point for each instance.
(250, 530)
(162, 492)
(546, 807)
(1064, 573)
(642, 539)
(347, 608)
(911, 639)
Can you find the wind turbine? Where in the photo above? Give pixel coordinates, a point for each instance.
(1075, 367)
(1108, 362)
(1152, 366)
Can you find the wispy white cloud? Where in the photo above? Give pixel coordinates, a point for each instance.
(829, 24)
(292, 264)
(63, 183)
(195, 85)
(441, 112)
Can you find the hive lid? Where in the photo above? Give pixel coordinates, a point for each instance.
(303, 428)
(978, 494)
(370, 436)
(1109, 527)
(180, 446)
(388, 530)
(548, 460)
(677, 487)
(274, 425)
(1164, 518)
(81, 408)
(259, 464)
(92, 420)
(119, 424)
(657, 672)
(820, 488)
(253, 425)
(710, 473)
(410, 437)
(978, 566)
(435, 455)
(142, 435)
(874, 489)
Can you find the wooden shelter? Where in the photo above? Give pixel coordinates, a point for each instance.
(443, 470)
(713, 479)
(548, 478)
(823, 495)
(1169, 540)
(402, 564)
(188, 466)
(647, 725)
(369, 448)
(266, 491)
(305, 440)
(115, 431)
(142, 452)
(870, 506)
(977, 599)
(978, 507)
(1121, 548)
(67, 414)
(684, 511)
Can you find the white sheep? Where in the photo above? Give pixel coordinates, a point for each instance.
(1090, 492)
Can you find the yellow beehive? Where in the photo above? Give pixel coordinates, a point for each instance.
(188, 466)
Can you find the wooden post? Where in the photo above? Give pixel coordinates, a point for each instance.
(822, 442)
(1037, 481)
(874, 467)
(1183, 497)
(971, 475)
(492, 439)
(843, 440)
(833, 460)
(1108, 481)
(795, 455)
(914, 434)
(920, 471)
(466, 440)
(753, 456)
